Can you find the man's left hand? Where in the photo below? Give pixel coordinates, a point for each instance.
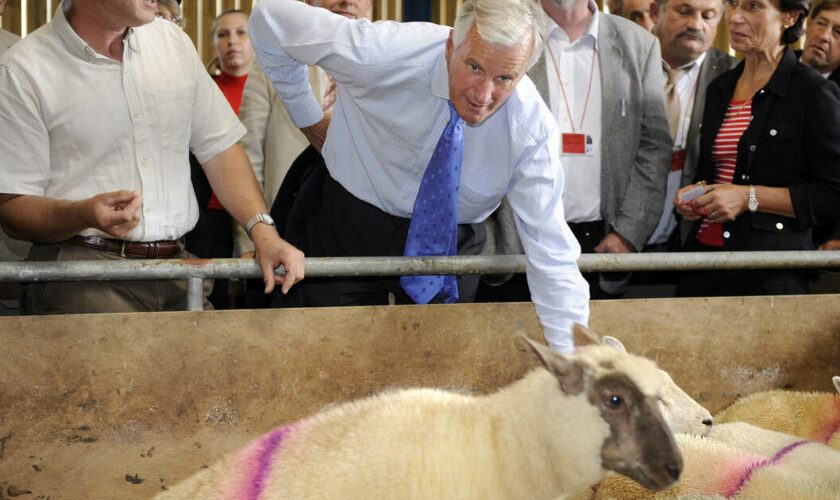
(614, 243)
(271, 252)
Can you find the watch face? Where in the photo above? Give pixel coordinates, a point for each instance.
(267, 219)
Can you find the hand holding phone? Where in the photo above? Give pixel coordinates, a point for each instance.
(693, 193)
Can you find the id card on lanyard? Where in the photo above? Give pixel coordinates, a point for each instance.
(576, 144)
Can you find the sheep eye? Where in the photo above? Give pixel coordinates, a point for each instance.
(614, 401)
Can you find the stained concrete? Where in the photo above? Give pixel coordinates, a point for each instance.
(120, 406)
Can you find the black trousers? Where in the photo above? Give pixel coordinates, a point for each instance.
(212, 236)
(327, 221)
(734, 283)
(589, 235)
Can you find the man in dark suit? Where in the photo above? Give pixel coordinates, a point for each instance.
(822, 52)
(686, 30)
(822, 40)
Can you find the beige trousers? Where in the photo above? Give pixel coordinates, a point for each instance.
(71, 297)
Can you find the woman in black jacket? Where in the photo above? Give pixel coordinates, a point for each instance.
(769, 154)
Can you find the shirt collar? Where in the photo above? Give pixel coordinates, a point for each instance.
(689, 67)
(591, 28)
(75, 44)
(440, 77)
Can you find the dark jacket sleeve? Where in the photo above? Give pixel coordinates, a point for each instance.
(817, 199)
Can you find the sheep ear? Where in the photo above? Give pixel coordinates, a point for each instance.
(836, 381)
(568, 374)
(584, 336)
(614, 343)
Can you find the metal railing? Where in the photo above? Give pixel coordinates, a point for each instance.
(195, 271)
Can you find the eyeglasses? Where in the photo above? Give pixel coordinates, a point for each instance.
(178, 20)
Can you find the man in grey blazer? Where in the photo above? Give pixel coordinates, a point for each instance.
(601, 76)
(686, 30)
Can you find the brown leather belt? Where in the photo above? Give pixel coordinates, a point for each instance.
(129, 249)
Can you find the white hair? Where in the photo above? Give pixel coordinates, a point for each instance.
(502, 22)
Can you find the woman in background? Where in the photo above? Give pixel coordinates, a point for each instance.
(769, 153)
(212, 236)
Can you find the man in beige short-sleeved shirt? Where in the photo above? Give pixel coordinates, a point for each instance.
(99, 111)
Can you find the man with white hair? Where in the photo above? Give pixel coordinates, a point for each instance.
(432, 127)
(95, 163)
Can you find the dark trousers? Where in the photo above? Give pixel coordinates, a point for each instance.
(327, 221)
(212, 236)
(589, 235)
(739, 282)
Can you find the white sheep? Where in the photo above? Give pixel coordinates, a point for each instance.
(713, 469)
(740, 460)
(811, 415)
(681, 411)
(555, 431)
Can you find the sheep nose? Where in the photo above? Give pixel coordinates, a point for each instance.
(707, 421)
(674, 471)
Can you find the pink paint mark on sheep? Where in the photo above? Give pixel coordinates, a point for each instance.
(748, 472)
(245, 478)
(268, 448)
(833, 425)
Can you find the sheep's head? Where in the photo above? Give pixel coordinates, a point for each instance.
(682, 413)
(625, 390)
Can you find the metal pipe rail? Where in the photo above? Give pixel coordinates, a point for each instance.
(197, 270)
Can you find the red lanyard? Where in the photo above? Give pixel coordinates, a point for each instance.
(563, 89)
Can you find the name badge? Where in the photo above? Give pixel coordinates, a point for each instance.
(677, 160)
(576, 144)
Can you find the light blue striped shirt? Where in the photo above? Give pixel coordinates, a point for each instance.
(392, 81)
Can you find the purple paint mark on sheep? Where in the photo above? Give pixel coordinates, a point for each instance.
(763, 463)
(270, 446)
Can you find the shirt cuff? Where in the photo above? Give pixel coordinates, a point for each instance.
(306, 113)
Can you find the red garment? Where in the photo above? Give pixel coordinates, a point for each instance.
(232, 87)
(724, 155)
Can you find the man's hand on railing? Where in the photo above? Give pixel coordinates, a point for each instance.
(272, 252)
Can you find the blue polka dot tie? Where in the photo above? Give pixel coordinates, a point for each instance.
(434, 221)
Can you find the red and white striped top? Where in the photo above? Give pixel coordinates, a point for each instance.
(725, 155)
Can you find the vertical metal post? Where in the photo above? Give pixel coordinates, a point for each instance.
(195, 294)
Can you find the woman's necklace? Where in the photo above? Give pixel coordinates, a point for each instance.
(742, 106)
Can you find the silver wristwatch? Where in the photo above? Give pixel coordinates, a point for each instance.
(752, 201)
(264, 218)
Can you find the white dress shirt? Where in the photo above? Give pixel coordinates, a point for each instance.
(574, 63)
(686, 88)
(392, 105)
(76, 123)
